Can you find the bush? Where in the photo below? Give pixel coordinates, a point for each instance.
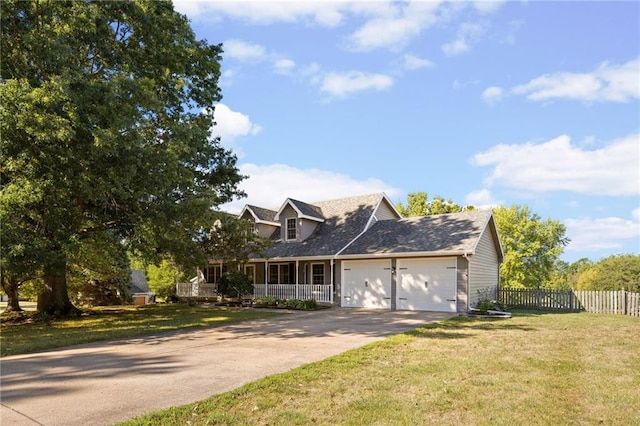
(297, 304)
(267, 301)
(235, 284)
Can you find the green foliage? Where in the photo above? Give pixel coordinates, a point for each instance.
(106, 110)
(98, 273)
(231, 241)
(162, 278)
(297, 304)
(302, 305)
(419, 205)
(615, 272)
(267, 301)
(531, 246)
(487, 301)
(235, 284)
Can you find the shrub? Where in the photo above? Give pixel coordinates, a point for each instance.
(234, 284)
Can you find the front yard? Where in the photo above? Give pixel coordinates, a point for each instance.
(116, 322)
(533, 369)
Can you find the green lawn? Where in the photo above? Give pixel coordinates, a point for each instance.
(117, 322)
(533, 369)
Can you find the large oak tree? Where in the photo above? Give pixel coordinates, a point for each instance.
(105, 110)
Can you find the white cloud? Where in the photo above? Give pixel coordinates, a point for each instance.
(608, 233)
(387, 33)
(482, 199)
(343, 84)
(326, 13)
(284, 66)
(557, 165)
(492, 95)
(412, 62)
(607, 83)
(488, 6)
(231, 125)
(455, 47)
(243, 51)
(269, 185)
(385, 24)
(468, 34)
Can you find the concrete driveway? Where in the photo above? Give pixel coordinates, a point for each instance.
(106, 382)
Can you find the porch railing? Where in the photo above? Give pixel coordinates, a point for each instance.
(196, 290)
(319, 293)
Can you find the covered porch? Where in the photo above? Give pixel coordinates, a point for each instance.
(303, 279)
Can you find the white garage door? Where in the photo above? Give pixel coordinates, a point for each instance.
(366, 284)
(427, 284)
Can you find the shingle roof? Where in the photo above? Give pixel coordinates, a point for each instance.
(454, 233)
(308, 210)
(344, 219)
(262, 214)
(138, 282)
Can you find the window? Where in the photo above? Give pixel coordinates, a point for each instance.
(284, 274)
(273, 274)
(317, 273)
(292, 233)
(254, 229)
(249, 271)
(279, 274)
(212, 274)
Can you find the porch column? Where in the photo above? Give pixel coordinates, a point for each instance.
(333, 285)
(266, 277)
(297, 265)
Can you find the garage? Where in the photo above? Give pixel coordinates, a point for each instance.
(427, 284)
(366, 284)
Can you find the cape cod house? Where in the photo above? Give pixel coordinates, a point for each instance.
(360, 252)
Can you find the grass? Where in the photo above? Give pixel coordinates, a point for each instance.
(533, 369)
(117, 322)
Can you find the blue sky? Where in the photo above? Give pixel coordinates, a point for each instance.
(487, 103)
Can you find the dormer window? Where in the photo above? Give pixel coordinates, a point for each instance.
(292, 232)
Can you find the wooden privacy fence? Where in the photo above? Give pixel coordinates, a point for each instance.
(610, 302)
(603, 302)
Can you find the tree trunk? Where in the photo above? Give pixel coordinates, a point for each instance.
(10, 286)
(54, 299)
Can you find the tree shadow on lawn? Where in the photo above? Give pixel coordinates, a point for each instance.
(459, 327)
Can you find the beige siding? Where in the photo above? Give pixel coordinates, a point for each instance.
(462, 285)
(306, 228)
(265, 230)
(483, 273)
(385, 212)
(287, 213)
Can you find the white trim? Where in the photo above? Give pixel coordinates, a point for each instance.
(408, 254)
(255, 216)
(324, 272)
(300, 215)
(286, 228)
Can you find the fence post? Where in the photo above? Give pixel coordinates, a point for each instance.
(623, 304)
(571, 308)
